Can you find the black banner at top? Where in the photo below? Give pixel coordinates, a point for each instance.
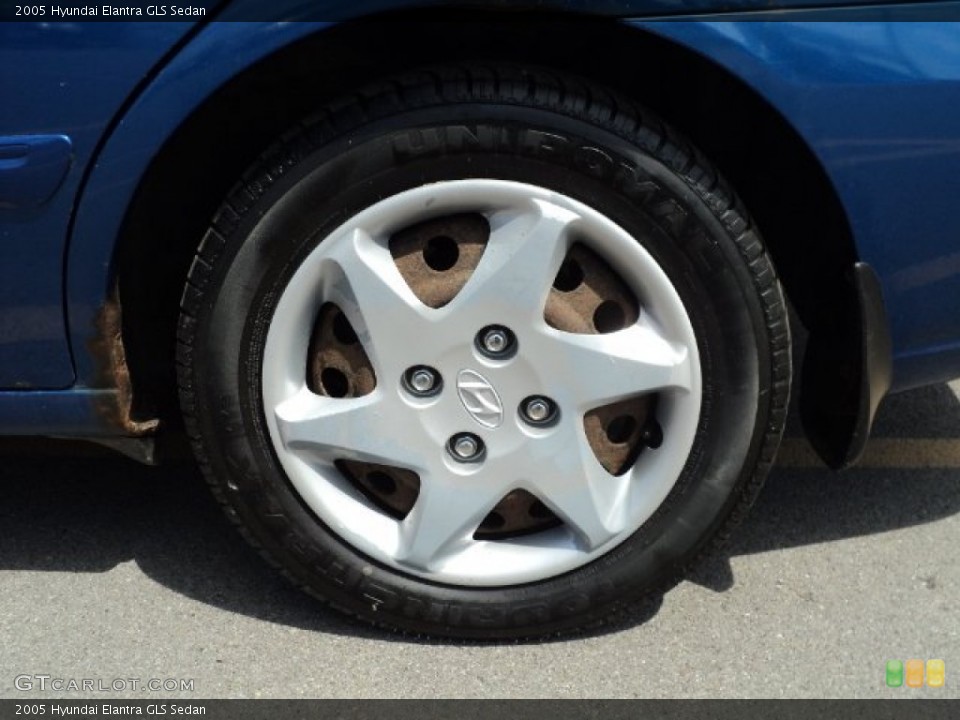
(80, 11)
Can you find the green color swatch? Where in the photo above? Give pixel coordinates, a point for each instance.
(894, 673)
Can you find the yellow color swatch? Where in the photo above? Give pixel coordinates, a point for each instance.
(936, 673)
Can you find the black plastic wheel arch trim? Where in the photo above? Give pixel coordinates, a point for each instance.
(847, 370)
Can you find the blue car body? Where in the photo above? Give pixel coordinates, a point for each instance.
(872, 90)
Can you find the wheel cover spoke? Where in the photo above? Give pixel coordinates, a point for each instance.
(524, 253)
(567, 477)
(444, 515)
(355, 429)
(633, 361)
(375, 298)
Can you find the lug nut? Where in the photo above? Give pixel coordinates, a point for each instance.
(538, 410)
(495, 341)
(465, 447)
(422, 380)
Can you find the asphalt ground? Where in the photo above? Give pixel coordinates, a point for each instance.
(110, 570)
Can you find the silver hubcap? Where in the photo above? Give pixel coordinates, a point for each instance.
(491, 417)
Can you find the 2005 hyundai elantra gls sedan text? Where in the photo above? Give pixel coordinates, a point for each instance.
(477, 323)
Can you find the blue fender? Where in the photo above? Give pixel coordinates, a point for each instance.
(61, 85)
(217, 53)
(841, 109)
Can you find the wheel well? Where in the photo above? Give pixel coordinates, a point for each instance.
(762, 156)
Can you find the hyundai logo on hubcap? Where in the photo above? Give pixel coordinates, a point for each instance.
(479, 398)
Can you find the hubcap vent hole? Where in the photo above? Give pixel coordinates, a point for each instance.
(540, 511)
(616, 432)
(588, 296)
(441, 253)
(493, 521)
(621, 428)
(392, 490)
(451, 245)
(334, 382)
(343, 330)
(381, 482)
(337, 365)
(609, 317)
(569, 277)
(518, 513)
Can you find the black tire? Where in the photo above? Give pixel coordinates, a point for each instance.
(575, 138)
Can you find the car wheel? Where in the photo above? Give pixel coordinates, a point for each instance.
(483, 353)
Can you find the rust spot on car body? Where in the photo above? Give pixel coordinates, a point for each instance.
(106, 347)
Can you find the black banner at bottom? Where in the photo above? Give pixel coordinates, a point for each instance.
(486, 709)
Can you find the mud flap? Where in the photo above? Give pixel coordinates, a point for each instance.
(847, 371)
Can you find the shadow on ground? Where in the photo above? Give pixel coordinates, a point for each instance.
(63, 511)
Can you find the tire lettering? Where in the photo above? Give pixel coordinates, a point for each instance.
(416, 143)
(573, 604)
(380, 597)
(544, 144)
(634, 182)
(593, 161)
(483, 616)
(460, 137)
(418, 608)
(243, 475)
(530, 614)
(670, 215)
